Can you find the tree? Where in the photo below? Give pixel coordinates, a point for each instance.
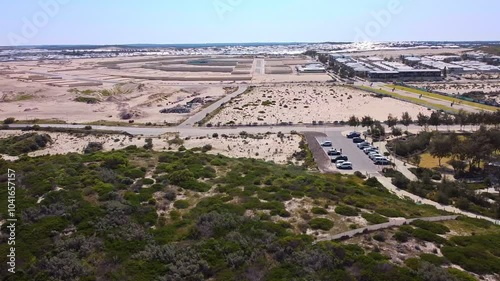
(353, 121)
(445, 72)
(391, 121)
(435, 119)
(441, 146)
(422, 120)
(461, 118)
(366, 121)
(9, 120)
(406, 119)
(149, 143)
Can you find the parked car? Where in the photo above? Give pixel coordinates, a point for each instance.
(362, 145)
(337, 158)
(352, 135)
(339, 162)
(382, 161)
(375, 155)
(345, 165)
(334, 152)
(370, 149)
(357, 140)
(326, 143)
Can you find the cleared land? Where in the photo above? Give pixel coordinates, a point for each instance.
(303, 103)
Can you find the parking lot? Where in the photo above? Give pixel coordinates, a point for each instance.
(360, 161)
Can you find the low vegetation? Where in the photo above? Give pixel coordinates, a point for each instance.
(17, 145)
(104, 219)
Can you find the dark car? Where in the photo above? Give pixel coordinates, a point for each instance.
(382, 162)
(340, 157)
(353, 135)
(334, 153)
(357, 140)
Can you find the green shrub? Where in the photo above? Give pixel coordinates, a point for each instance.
(319, 211)
(461, 275)
(374, 218)
(401, 236)
(379, 237)
(400, 181)
(181, 204)
(433, 259)
(391, 213)
(9, 120)
(346, 211)
(426, 235)
(413, 263)
(148, 181)
(321, 223)
(431, 226)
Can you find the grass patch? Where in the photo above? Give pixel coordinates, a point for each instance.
(446, 98)
(374, 218)
(409, 99)
(429, 162)
(320, 223)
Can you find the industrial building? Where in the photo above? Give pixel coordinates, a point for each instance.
(377, 69)
(311, 68)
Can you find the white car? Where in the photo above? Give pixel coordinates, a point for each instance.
(339, 162)
(326, 143)
(375, 155)
(344, 165)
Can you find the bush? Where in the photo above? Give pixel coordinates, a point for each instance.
(373, 182)
(359, 175)
(461, 275)
(374, 218)
(9, 120)
(431, 226)
(400, 181)
(426, 235)
(88, 127)
(392, 213)
(206, 148)
(401, 236)
(422, 173)
(319, 211)
(321, 223)
(379, 237)
(181, 204)
(346, 211)
(433, 259)
(92, 147)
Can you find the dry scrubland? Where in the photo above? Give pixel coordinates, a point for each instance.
(269, 147)
(142, 102)
(304, 104)
(90, 90)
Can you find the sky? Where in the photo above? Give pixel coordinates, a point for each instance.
(100, 22)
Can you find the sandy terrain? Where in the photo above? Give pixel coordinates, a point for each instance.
(301, 103)
(106, 89)
(267, 147)
(27, 100)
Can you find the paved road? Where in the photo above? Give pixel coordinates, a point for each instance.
(392, 223)
(191, 121)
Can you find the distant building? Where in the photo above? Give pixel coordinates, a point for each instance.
(311, 68)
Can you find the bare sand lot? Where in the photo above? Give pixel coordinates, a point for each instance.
(26, 99)
(303, 103)
(137, 88)
(268, 147)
